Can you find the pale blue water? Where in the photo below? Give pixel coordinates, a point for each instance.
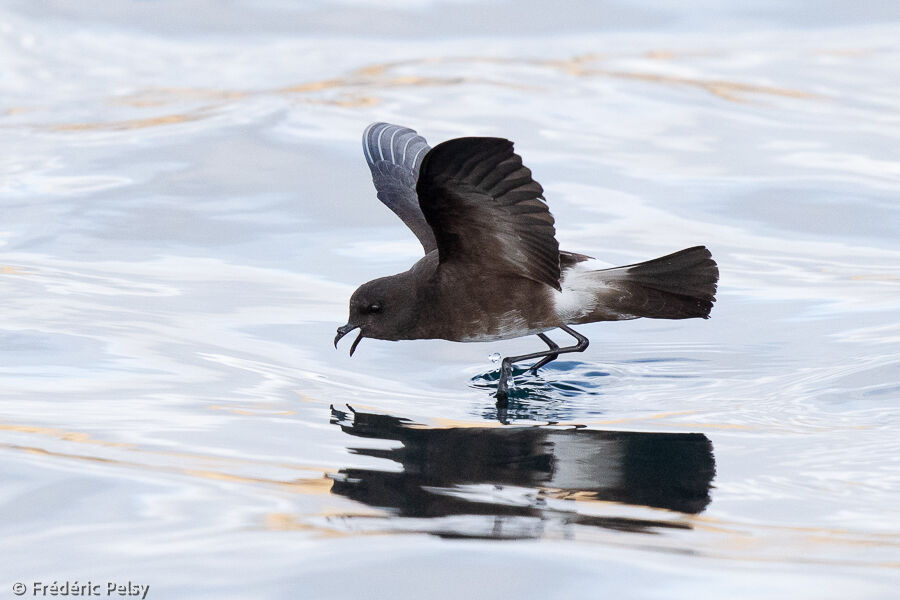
(186, 210)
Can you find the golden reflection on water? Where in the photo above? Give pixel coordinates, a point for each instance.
(355, 90)
(731, 540)
(280, 521)
(198, 467)
(67, 436)
(875, 277)
(726, 90)
(172, 119)
(758, 542)
(306, 486)
(164, 95)
(17, 110)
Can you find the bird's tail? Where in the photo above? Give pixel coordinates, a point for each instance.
(681, 285)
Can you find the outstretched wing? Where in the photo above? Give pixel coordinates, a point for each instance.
(486, 210)
(394, 154)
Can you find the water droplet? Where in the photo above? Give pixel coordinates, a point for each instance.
(494, 357)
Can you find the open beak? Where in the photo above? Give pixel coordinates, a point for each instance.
(344, 330)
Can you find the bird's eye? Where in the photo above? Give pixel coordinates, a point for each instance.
(373, 308)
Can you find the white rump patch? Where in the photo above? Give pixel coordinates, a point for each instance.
(581, 290)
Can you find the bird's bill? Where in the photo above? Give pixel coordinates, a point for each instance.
(344, 330)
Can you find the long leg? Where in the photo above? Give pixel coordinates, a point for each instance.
(506, 365)
(550, 357)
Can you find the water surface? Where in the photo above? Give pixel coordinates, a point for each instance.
(186, 210)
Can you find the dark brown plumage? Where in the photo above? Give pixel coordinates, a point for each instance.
(492, 267)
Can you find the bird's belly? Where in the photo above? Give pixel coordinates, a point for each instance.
(491, 308)
(509, 325)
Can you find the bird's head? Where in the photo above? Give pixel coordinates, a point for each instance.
(382, 309)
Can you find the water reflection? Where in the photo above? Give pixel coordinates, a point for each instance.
(368, 85)
(526, 479)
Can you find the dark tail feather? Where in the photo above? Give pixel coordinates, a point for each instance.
(681, 285)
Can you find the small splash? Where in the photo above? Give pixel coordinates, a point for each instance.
(494, 358)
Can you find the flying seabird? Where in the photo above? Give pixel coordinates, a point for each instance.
(492, 268)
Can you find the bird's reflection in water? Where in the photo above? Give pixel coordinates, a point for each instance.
(514, 482)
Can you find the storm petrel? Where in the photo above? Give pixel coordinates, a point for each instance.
(492, 268)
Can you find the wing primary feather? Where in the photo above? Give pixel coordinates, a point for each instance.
(416, 161)
(395, 175)
(405, 148)
(378, 142)
(391, 143)
(366, 143)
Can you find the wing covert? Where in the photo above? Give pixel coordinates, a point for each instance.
(484, 208)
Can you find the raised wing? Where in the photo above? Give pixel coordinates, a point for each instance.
(486, 210)
(394, 154)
